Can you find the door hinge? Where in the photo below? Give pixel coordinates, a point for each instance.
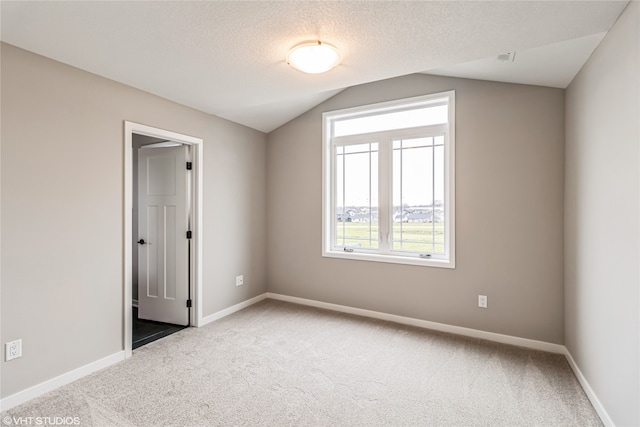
(189, 166)
(188, 234)
(188, 303)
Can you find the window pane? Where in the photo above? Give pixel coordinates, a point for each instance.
(418, 193)
(438, 175)
(357, 196)
(438, 202)
(424, 116)
(339, 202)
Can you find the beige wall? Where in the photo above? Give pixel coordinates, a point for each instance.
(509, 195)
(62, 219)
(602, 214)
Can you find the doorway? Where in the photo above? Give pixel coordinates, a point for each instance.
(148, 331)
(163, 235)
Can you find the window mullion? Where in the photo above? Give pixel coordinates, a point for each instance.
(344, 203)
(401, 175)
(334, 196)
(433, 196)
(370, 198)
(384, 195)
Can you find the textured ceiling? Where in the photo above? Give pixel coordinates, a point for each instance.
(227, 58)
(553, 65)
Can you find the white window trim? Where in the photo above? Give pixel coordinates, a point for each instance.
(327, 173)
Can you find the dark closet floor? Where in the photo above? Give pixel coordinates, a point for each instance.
(146, 331)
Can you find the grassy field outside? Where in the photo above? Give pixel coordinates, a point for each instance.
(409, 236)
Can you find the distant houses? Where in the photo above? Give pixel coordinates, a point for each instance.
(357, 215)
(344, 217)
(420, 214)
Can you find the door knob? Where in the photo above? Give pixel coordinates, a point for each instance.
(141, 242)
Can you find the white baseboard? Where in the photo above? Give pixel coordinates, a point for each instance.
(458, 330)
(593, 398)
(49, 385)
(227, 311)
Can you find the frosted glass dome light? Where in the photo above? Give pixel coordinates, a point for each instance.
(314, 57)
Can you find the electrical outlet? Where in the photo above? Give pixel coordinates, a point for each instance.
(239, 280)
(13, 350)
(482, 301)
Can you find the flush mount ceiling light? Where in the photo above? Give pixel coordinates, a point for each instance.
(314, 57)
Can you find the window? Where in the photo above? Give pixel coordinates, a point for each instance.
(388, 182)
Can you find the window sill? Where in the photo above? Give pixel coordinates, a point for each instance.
(391, 259)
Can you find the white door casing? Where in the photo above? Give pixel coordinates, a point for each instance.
(197, 152)
(163, 257)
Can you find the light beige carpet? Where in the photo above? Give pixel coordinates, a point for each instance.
(278, 364)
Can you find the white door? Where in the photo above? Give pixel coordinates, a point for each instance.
(163, 247)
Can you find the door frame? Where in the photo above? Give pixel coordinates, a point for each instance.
(197, 146)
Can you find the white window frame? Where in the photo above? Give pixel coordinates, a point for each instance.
(329, 142)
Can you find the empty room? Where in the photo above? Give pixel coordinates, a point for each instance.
(320, 213)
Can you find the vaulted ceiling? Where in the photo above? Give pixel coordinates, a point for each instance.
(227, 58)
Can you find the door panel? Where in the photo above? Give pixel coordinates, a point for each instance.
(163, 287)
(148, 268)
